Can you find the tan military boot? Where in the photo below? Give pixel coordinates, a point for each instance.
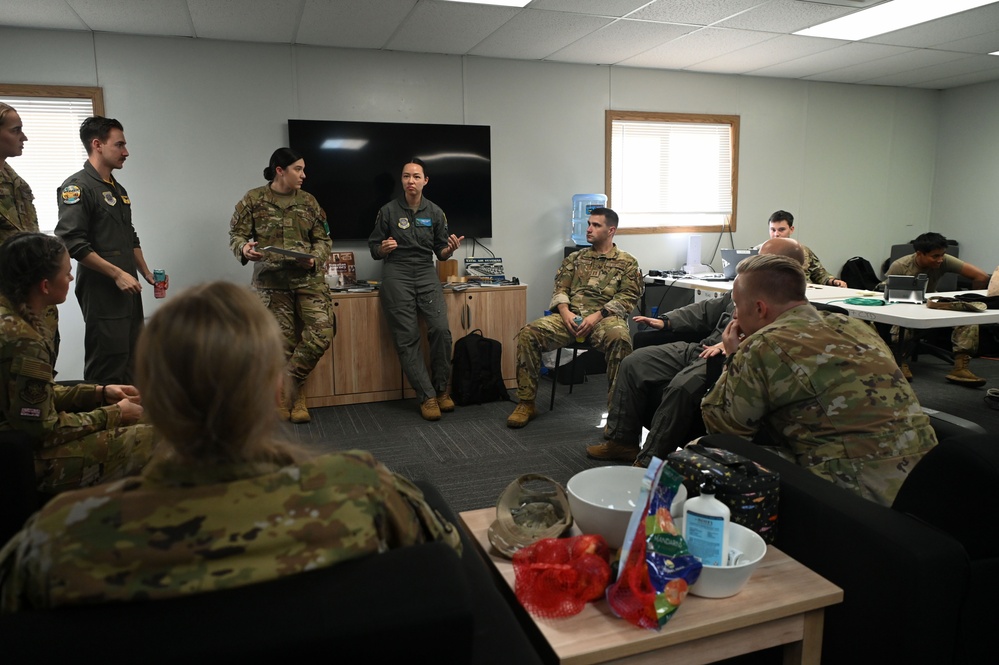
(612, 450)
(445, 402)
(299, 411)
(284, 406)
(906, 372)
(523, 413)
(962, 375)
(430, 410)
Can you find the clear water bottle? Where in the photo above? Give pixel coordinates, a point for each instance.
(582, 205)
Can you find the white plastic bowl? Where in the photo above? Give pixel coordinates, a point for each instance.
(602, 500)
(725, 581)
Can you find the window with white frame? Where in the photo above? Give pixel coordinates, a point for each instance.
(672, 172)
(51, 117)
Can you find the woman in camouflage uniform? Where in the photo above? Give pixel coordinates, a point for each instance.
(226, 503)
(17, 208)
(282, 216)
(84, 434)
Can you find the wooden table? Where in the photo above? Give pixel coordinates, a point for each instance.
(783, 603)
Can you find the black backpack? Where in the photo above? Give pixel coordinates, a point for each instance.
(476, 370)
(858, 273)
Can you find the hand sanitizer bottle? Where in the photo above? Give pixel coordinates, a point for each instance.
(705, 526)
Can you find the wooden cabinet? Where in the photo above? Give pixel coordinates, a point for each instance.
(362, 364)
(500, 314)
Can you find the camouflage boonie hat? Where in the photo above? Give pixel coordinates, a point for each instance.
(530, 508)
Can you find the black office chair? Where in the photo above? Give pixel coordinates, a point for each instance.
(19, 496)
(576, 348)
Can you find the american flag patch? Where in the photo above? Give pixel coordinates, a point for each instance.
(28, 412)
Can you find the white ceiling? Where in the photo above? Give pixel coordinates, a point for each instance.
(750, 37)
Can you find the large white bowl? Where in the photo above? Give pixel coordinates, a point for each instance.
(725, 581)
(602, 500)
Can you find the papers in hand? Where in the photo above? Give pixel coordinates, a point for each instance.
(286, 252)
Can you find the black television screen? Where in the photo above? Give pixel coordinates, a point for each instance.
(354, 168)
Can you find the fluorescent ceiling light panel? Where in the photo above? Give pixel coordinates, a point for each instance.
(505, 3)
(888, 17)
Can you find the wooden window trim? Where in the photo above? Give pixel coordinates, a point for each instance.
(95, 94)
(652, 116)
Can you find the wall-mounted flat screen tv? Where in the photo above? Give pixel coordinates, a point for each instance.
(354, 168)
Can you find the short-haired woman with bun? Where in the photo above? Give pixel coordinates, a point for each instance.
(281, 215)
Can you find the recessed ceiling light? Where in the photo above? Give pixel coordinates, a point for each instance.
(888, 17)
(505, 3)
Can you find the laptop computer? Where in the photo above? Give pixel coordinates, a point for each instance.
(730, 260)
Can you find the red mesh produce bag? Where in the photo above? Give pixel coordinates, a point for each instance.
(556, 577)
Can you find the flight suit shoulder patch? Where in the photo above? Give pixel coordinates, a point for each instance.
(71, 194)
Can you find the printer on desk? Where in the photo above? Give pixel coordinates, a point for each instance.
(906, 289)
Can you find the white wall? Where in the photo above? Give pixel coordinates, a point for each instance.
(966, 189)
(855, 164)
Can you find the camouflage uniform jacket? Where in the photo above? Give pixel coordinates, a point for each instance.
(907, 266)
(817, 274)
(420, 233)
(588, 281)
(180, 529)
(294, 221)
(826, 388)
(32, 402)
(17, 208)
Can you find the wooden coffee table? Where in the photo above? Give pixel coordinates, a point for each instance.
(783, 603)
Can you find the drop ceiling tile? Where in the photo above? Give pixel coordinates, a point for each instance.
(617, 8)
(971, 78)
(784, 16)
(845, 55)
(352, 23)
(698, 46)
(948, 29)
(262, 21)
(909, 62)
(773, 51)
(982, 44)
(163, 17)
(696, 12)
(533, 34)
(44, 14)
(449, 27)
(620, 40)
(954, 68)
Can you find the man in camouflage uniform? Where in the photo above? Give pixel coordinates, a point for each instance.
(931, 258)
(823, 386)
(95, 221)
(83, 434)
(293, 289)
(781, 225)
(180, 529)
(671, 378)
(600, 285)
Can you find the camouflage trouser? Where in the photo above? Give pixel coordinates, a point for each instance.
(304, 317)
(96, 458)
(549, 333)
(963, 339)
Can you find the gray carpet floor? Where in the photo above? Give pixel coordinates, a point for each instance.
(471, 455)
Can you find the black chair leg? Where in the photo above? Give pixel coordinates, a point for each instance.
(558, 357)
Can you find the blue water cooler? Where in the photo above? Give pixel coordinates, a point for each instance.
(582, 205)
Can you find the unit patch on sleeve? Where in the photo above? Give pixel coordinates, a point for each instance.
(70, 194)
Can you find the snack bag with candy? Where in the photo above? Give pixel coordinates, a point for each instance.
(656, 566)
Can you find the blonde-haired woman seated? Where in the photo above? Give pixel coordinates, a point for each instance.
(224, 502)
